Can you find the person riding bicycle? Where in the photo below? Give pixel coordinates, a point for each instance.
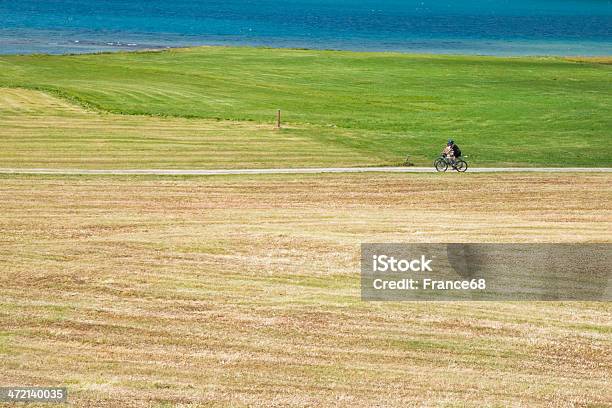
(452, 152)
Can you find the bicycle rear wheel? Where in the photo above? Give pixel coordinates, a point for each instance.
(441, 165)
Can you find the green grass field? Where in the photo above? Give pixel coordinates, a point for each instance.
(374, 107)
(38, 130)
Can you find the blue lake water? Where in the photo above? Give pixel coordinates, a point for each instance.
(493, 27)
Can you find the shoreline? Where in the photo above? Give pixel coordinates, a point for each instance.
(57, 42)
(607, 58)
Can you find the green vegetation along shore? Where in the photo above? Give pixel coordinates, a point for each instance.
(373, 108)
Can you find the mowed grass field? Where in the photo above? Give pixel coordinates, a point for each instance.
(373, 107)
(38, 130)
(244, 291)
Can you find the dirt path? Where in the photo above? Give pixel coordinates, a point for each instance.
(178, 172)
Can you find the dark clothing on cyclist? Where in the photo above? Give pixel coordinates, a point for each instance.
(451, 152)
(456, 151)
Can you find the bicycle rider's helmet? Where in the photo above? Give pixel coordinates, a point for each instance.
(451, 142)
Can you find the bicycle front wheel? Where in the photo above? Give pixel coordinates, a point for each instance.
(461, 166)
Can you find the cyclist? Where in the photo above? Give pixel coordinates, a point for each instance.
(452, 152)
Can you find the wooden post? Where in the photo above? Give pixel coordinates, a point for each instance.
(278, 119)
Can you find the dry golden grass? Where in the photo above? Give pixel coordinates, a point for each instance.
(591, 60)
(232, 291)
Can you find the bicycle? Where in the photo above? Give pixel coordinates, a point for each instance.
(442, 164)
